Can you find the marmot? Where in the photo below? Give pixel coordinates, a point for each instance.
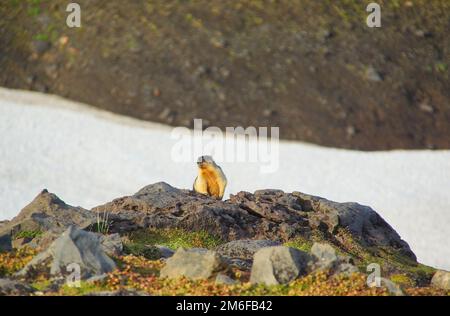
(211, 179)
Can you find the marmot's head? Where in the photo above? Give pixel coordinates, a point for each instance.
(204, 162)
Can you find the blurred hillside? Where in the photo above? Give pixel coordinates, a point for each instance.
(311, 67)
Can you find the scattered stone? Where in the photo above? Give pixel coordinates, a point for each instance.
(346, 269)
(112, 244)
(441, 279)
(278, 265)
(393, 288)
(194, 264)
(74, 246)
(10, 287)
(244, 248)
(372, 74)
(326, 259)
(425, 107)
(325, 255)
(165, 251)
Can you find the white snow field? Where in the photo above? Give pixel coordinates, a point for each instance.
(88, 157)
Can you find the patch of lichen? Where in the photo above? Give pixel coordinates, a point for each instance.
(13, 261)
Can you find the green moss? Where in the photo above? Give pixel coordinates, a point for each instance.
(300, 243)
(28, 234)
(173, 238)
(41, 285)
(402, 280)
(147, 251)
(83, 289)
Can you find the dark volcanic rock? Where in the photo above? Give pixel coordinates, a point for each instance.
(266, 214)
(5, 242)
(47, 213)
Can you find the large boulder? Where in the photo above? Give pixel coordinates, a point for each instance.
(47, 213)
(194, 264)
(278, 265)
(266, 214)
(74, 246)
(441, 279)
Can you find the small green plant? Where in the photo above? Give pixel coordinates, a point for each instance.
(103, 223)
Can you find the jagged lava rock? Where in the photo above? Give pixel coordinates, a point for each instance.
(266, 214)
(47, 213)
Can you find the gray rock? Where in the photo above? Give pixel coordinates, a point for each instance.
(346, 268)
(112, 244)
(224, 279)
(5, 242)
(165, 251)
(74, 246)
(244, 248)
(48, 213)
(372, 74)
(393, 288)
(325, 256)
(278, 265)
(13, 287)
(193, 264)
(441, 279)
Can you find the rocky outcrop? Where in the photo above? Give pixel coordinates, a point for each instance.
(46, 214)
(193, 264)
(73, 247)
(266, 214)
